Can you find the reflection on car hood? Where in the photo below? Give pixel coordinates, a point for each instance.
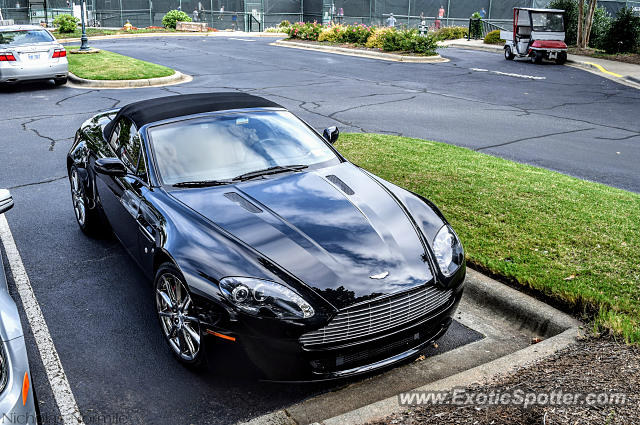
(334, 228)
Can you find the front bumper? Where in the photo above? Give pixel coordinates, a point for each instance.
(285, 359)
(10, 72)
(12, 408)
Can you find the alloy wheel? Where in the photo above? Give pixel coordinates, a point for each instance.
(179, 326)
(77, 194)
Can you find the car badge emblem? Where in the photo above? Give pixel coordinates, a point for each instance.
(379, 276)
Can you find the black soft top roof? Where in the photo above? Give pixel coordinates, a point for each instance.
(162, 108)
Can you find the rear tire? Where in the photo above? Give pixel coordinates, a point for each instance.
(181, 329)
(60, 81)
(508, 54)
(537, 56)
(562, 58)
(88, 218)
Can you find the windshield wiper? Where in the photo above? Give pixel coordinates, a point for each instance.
(271, 170)
(202, 183)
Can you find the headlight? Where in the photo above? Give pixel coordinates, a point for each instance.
(263, 297)
(4, 368)
(448, 250)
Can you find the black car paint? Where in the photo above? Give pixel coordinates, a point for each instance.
(322, 239)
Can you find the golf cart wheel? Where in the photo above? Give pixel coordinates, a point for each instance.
(537, 56)
(562, 58)
(508, 54)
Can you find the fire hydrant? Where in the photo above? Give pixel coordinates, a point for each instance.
(128, 26)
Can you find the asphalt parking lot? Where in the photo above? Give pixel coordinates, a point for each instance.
(99, 308)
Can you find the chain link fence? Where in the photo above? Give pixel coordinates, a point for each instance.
(256, 15)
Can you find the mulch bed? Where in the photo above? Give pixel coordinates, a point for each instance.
(594, 365)
(622, 57)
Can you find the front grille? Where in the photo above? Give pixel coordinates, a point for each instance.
(379, 315)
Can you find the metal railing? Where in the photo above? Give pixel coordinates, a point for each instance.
(485, 27)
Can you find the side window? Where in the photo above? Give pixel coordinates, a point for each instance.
(129, 147)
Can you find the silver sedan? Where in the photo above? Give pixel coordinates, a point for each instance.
(30, 52)
(17, 401)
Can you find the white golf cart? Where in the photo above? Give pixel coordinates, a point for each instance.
(537, 33)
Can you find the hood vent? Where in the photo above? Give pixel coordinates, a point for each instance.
(244, 203)
(341, 185)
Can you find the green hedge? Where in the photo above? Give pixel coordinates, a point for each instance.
(387, 39)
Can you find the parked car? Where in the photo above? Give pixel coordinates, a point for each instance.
(30, 52)
(17, 399)
(257, 231)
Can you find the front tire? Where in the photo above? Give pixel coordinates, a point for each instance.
(179, 326)
(508, 54)
(88, 218)
(537, 56)
(562, 58)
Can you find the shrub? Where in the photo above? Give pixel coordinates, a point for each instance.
(493, 37)
(332, 33)
(376, 38)
(285, 23)
(407, 41)
(173, 16)
(356, 34)
(624, 33)
(304, 31)
(600, 27)
(451, 33)
(66, 23)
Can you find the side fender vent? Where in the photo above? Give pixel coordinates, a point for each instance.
(244, 203)
(341, 185)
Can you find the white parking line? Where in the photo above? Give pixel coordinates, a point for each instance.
(509, 74)
(57, 379)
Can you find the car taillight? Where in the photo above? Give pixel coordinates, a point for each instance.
(59, 53)
(7, 57)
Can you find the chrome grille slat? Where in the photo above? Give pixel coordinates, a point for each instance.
(375, 316)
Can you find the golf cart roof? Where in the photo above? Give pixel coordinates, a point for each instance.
(540, 10)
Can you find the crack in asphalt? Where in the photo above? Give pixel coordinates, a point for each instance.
(58, 103)
(497, 145)
(51, 180)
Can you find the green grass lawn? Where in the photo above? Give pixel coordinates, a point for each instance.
(107, 65)
(574, 241)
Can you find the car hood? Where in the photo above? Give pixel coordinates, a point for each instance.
(334, 228)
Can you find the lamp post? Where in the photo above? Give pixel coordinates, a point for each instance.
(84, 41)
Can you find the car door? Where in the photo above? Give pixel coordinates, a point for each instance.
(120, 196)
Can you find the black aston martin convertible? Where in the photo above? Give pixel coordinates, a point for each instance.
(257, 231)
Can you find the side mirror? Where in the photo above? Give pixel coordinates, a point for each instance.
(6, 201)
(110, 167)
(331, 134)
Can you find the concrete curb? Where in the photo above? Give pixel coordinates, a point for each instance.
(177, 34)
(176, 78)
(361, 53)
(559, 329)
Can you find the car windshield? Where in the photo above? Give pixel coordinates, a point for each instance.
(222, 147)
(18, 38)
(547, 21)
